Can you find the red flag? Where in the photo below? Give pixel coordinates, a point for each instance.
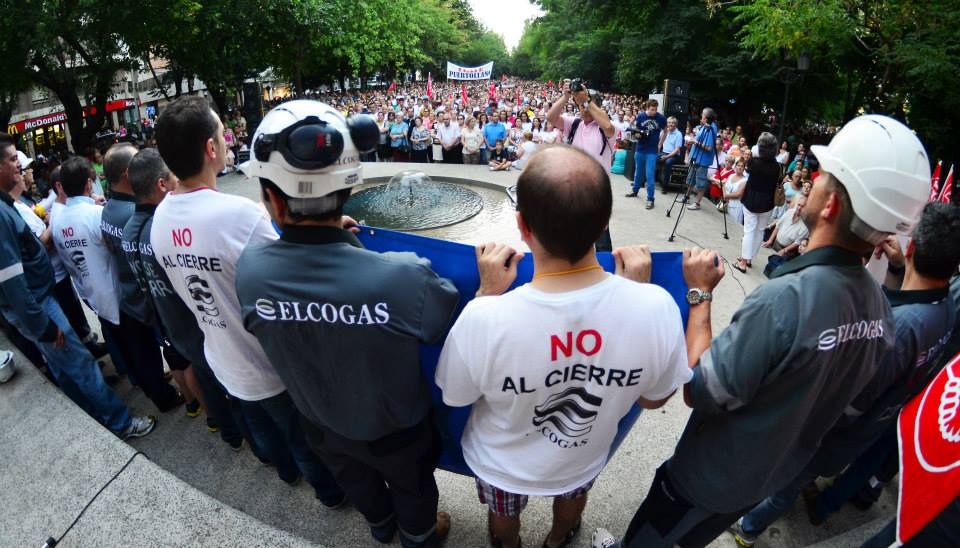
(503, 77)
(518, 97)
(550, 84)
(935, 183)
(929, 432)
(947, 188)
(463, 92)
(392, 87)
(429, 86)
(493, 90)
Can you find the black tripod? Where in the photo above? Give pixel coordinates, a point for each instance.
(688, 187)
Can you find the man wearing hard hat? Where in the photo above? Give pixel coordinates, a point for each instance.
(797, 352)
(342, 325)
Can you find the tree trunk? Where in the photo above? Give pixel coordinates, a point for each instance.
(363, 73)
(219, 98)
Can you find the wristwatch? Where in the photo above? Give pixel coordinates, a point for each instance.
(696, 295)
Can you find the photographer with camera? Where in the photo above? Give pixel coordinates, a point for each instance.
(592, 132)
(646, 130)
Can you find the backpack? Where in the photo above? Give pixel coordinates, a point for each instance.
(573, 131)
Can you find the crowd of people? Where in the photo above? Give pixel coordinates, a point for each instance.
(301, 344)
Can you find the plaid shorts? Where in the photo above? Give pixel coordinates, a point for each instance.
(508, 505)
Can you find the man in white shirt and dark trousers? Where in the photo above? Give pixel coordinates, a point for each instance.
(547, 366)
(449, 135)
(197, 237)
(81, 244)
(350, 353)
(136, 339)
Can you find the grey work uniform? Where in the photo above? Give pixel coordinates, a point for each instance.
(134, 337)
(165, 310)
(796, 353)
(342, 327)
(924, 321)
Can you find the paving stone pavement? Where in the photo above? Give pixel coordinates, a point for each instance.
(44, 488)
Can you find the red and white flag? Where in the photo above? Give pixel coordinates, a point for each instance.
(935, 183)
(463, 93)
(392, 87)
(493, 90)
(429, 86)
(550, 84)
(947, 192)
(929, 434)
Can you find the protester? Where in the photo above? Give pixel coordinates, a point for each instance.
(526, 149)
(499, 157)
(217, 228)
(472, 141)
(733, 189)
(798, 377)
(924, 318)
(527, 434)
(377, 436)
(134, 337)
(151, 180)
(26, 301)
(449, 135)
(757, 199)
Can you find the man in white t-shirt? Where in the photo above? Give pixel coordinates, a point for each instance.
(548, 367)
(197, 236)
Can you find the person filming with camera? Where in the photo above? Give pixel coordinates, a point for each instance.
(646, 130)
(592, 132)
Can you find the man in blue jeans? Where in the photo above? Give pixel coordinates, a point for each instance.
(650, 125)
(27, 302)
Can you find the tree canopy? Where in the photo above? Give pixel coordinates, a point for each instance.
(895, 57)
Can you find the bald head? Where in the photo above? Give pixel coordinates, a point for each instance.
(565, 199)
(116, 161)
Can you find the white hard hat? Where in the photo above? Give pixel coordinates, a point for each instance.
(884, 168)
(309, 150)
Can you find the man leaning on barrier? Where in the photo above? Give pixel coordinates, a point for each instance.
(796, 353)
(342, 325)
(547, 366)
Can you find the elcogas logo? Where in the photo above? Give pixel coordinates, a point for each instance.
(835, 336)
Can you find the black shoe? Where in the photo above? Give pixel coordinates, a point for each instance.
(172, 404)
(631, 195)
(98, 349)
(334, 502)
(384, 533)
(295, 481)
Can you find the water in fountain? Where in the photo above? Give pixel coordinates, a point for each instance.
(411, 200)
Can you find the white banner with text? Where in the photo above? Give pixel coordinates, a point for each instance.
(456, 72)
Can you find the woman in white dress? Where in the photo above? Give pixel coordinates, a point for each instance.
(733, 189)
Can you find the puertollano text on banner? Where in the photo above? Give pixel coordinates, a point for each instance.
(456, 72)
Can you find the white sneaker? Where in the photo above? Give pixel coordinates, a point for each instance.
(6, 365)
(139, 427)
(602, 539)
(693, 207)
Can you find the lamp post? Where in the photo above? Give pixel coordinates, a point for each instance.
(788, 76)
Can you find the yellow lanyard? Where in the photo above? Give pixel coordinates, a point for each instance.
(565, 272)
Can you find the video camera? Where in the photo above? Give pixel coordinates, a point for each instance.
(638, 133)
(577, 85)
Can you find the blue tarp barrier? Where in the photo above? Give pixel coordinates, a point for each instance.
(458, 263)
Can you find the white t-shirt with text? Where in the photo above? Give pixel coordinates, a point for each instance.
(550, 375)
(79, 242)
(197, 238)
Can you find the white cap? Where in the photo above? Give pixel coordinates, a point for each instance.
(883, 167)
